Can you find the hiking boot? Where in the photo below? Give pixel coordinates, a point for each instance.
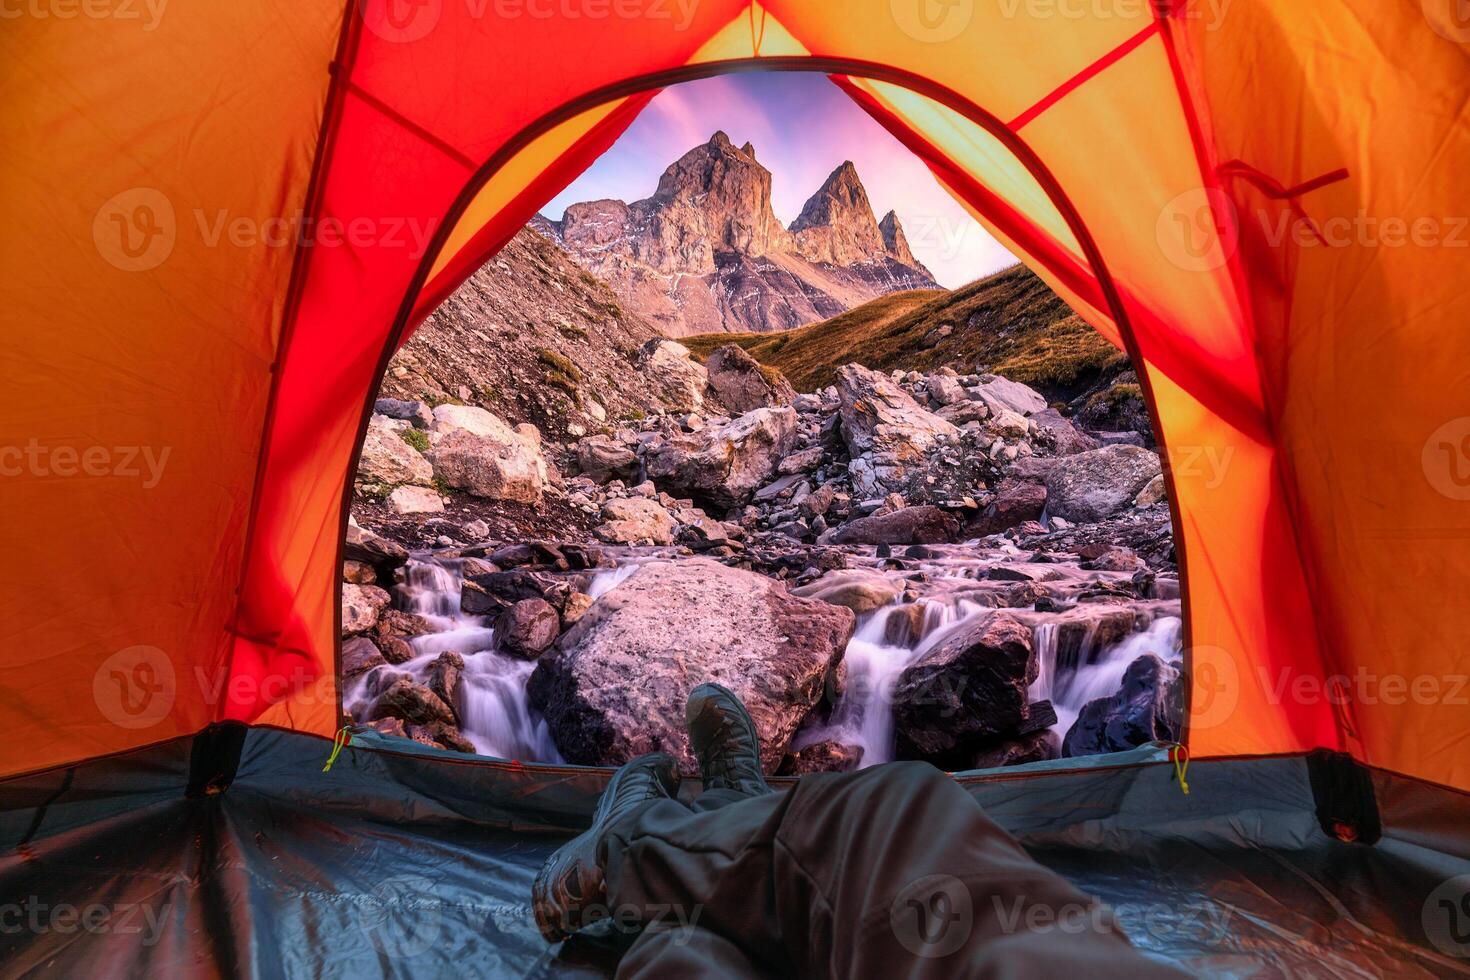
(724, 740)
(571, 880)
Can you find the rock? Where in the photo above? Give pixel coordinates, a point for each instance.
(778, 488)
(489, 594)
(879, 417)
(1065, 437)
(476, 530)
(636, 520)
(1008, 425)
(1154, 492)
(962, 413)
(801, 461)
(440, 735)
(972, 686)
(1016, 501)
(827, 756)
(415, 500)
(818, 502)
(1002, 394)
(444, 679)
(1037, 746)
(513, 555)
(723, 464)
(396, 650)
(1116, 560)
(925, 524)
(484, 456)
(389, 461)
(682, 379)
(947, 390)
(360, 655)
(742, 384)
(365, 546)
(396, 622)
(577, 605)
(859, 589)
(392, 727)
(406, 698)
(361, 605)
(527, 628)
(415, 412)
(1095, 485)
(603, 458)
(358, 572)
(1148, 707)
(615, 685)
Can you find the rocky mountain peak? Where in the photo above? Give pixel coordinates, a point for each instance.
(836, 224)
(894, 240)
(707, 252)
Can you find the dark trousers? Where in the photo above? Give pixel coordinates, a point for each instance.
(890, 872)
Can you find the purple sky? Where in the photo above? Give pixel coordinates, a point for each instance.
(802, 126)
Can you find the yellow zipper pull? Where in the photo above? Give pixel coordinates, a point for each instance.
(1179, 755)
(342, 738)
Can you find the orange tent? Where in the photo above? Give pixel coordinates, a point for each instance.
(223, 218)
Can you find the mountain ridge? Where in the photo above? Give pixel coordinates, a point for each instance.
(705, 252)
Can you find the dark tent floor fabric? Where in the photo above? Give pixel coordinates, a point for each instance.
(405, 863)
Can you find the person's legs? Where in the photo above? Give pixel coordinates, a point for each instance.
(892, 871)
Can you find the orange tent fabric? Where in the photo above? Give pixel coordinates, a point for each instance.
(222, 220)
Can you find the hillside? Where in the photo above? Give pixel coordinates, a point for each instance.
(706, 252)
(534, 338)
(1009, 324)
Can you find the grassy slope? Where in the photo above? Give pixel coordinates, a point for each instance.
(1009, 324)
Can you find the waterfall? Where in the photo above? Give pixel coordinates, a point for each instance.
(1100, 676)
(494, 714)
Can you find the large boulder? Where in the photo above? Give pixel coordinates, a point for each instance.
(681, 380)
(723, 464)
(1148, 707)
(971, 687)
(615, 684)
(415, 500)
(603, 458)
(387, 459)
(527, 628)
(925, 524)
(480, 453)
(636, 520)
(1002, 393)
(742, 384)
(1095, 485)
(880, 417)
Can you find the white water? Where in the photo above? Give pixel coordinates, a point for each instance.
(1103, 676)
(497, 719)
(494, 714)
(864, 716)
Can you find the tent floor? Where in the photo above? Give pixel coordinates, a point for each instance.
(311, 875)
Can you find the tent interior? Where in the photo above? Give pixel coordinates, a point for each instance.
(1138, 158)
